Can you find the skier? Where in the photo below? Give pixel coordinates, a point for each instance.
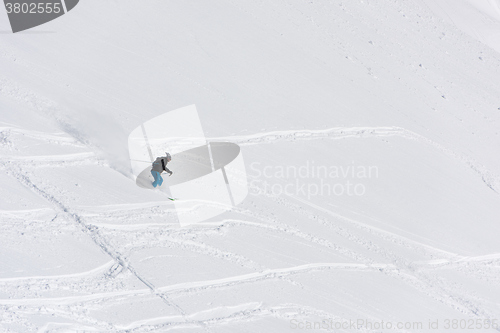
(159, 166)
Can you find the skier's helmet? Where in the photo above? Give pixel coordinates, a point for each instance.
(168, 156)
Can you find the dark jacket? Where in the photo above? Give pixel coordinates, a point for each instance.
(161, 164)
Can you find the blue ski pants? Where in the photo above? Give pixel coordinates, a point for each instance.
(158, 180)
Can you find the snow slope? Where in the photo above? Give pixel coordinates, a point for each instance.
(344, 85)
(477, 18)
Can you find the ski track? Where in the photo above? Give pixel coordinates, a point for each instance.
(231, 311)
(27, 213)
(197, 247)
(412, 273)
(203, 228)
(241, 313)
(234, 314)
(270, 274)
(96, 270)
(376, 230)
(246, 311)
(423, 283)
(284, 227)
(407, 277)
(199, 285)
(62, 159)
(415, 279)
(430, 286)
(491, 179)
(94, 234)
(433, 286)
(223, 255)
(59, 138)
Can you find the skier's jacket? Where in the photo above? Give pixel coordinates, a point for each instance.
(161, 164)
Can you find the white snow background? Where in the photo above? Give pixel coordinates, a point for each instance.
(411, 88)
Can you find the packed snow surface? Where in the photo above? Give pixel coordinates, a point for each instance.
(370, 136)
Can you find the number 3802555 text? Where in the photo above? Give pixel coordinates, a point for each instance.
(33, 8)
